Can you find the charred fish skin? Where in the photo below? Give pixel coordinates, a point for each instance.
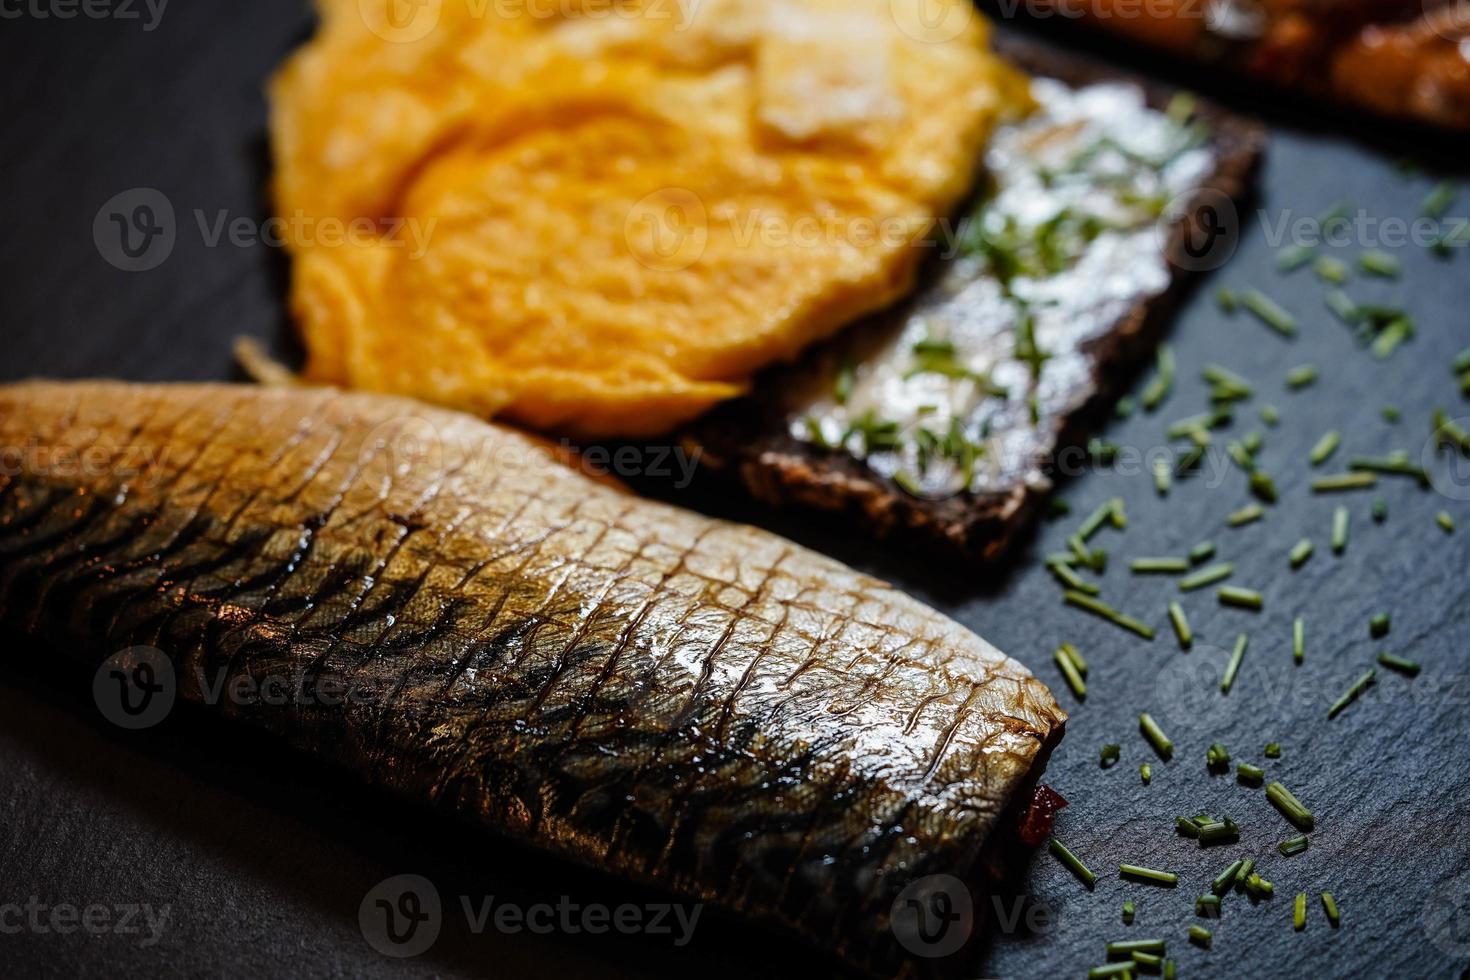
(693, 704)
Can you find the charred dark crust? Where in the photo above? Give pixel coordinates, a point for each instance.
(748, 440)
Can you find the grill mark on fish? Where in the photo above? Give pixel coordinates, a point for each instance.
(680, 701)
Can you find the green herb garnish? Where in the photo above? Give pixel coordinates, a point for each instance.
(1232, 668)
(1110, 755)
(1352, 693)
(1331, 270)
(1329, 905)
(1072, 863)
(1156, 737)
(1268, 312)
(1300, 552)
(1359, 480)
(1299, 912)
(1231, 595)
(1301, 376)
(1139, 873)
(1099, 608)
(1379, 625)
(1378, 263)
(1208, 575)
(1200, 936)
(1325, 447)
(1070, 673)
(1159, 566)
(1181, 625)
(1246, 515)
(1249, 774)
(1273, 750)
(1445, 521)
(1298, 641)
(1395, 662)
(1339, 530)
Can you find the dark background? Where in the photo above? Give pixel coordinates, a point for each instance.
(264, 858)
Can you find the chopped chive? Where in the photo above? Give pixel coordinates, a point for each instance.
(1148, 961)
(1246, 515)
(1332, 270)
(1127, 947)
(1110, 755)
(1098, 608)
(1226, 878)
(1246, 866)
(1138, 873)
(1071, 580)
(1391, 336)
(1146, 773)
(1448, 431)
(1378, 263)
(1391, 414)
(1074, 655)
(1270, 415)
(1125, 407)
(1378, 626)
(1217, 757)
(1259, 887)
(1222, 377)
(1207, 906)
(1156, 737)
(1298, 643)
(1395, 662)
(1380, 510)
(1252, 442)
(1273, 750)
(1233, 667)
(1329, 905)
(1445, 521)
(1202, 552)
(1339, 530)
(1070, 674)
(1219, 832)
(1162, 479)
(1299, 912)
(1392, 465)
(1162, 382)
(1073, 863)
(1293, 845)
(1095, 520)
(1227, 299)
(1208, 575)
(1438, 201)
(1461, 363)
(1170, 969)
(1186, 826)
(1293, 257)
(1241, 456)
(1128, 911)
(1345, 481)
(1231, 595)
(1352, 693)
(1268, 312)
(1200, 936)
(1263, 486)
(1325, 447)
(1291, 807)
(1181, 625)
(1124, 970)
(1300, 377)
(1249, 774)
(1161, 566)
(1300, 552)
(1344, 308)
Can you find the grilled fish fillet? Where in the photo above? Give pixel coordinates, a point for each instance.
(690, 703)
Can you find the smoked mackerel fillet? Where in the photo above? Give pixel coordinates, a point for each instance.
(690, 703)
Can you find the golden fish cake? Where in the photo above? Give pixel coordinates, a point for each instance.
(603, 217)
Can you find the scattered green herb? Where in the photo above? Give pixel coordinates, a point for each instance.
(1246, 515)
(1070, 673)
(1099, 608)
(1301, 376)
(1200, 936)
(1072, 863)
(1293, 845)
(1249, 774)
(1273, 750)
(1352, 693)
(1445, 521)
(1268, 312)
(1395, 662)
(1156, 736)
(1233, 667)
(1378, 263)
(1345, 481)
(1166, 878)
(1325, 447)
(1331, 270)
(1329, 905)
(1299, 912)
(1208, 575)
(1339, 530)
(1145, 773)
(1231, 595)
(1298, 643)
(1379, 625)
(1181, 625)
(1300, 552)
(1111, 753)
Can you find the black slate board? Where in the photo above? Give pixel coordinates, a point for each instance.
(264, 858)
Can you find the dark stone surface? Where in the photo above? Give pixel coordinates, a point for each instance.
(264, 858)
